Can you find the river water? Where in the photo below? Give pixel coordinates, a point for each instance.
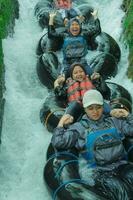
(24, 139)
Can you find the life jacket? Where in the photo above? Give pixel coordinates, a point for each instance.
(74, 47)
(103, 147)
(76, 90)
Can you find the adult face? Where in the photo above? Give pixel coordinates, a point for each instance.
(74, 28)
(94, 111)
(78, 73)
(64, 4)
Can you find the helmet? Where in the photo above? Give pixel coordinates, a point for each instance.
(92, 97)
(121, 103)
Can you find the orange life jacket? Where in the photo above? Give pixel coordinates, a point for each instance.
(76, 90)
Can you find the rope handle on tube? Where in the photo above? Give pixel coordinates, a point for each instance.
(62, 166)
(58, 154)
(48, 116)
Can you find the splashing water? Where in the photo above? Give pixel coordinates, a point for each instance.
(24, 139)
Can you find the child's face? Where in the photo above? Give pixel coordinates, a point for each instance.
(65, 4)
(74, 28)
(78, 73)
(94, 111)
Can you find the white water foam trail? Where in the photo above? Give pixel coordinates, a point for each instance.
(24, 139)
(111, 17)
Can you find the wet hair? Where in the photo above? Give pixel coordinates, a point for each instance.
(73, 66)
(121, 103)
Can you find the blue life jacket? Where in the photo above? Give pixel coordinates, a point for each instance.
(74, 47)
(103, 147)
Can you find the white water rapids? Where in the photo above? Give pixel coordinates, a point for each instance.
(24, 138)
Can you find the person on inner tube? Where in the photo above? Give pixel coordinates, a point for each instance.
(75, 42)
(64, 4)
(73, 89)
(79, 75)
(65, 7)
(99, 140)
(119, 107)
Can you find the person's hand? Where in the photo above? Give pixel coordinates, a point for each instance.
(95, 14)
(81, 18)
(66, 119)
(51, 17)
(95, 76)
(59, 81)
(52, 14)
(119, 112)
(65, 21)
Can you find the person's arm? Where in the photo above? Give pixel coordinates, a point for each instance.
(60, 93)
(64, 138)
(65, 70)
(52, 33)
(101, 85)
(51, 18)
(60, 88)
(59, 81)
(125, 124)
(93, 28)
(51, 28)
(104, 89)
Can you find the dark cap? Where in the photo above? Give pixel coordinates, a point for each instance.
(121, 103)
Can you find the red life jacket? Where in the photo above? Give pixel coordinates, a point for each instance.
(76, 90)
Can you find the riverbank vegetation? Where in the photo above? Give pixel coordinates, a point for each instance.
(8, 13)
(9, 10)
(128, 33)
(6, 9)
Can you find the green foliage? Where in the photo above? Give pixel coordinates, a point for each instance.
(128, 32)
(128, 25)
(1, 57)
(6, 10)
(130, 68)
(125, 5)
